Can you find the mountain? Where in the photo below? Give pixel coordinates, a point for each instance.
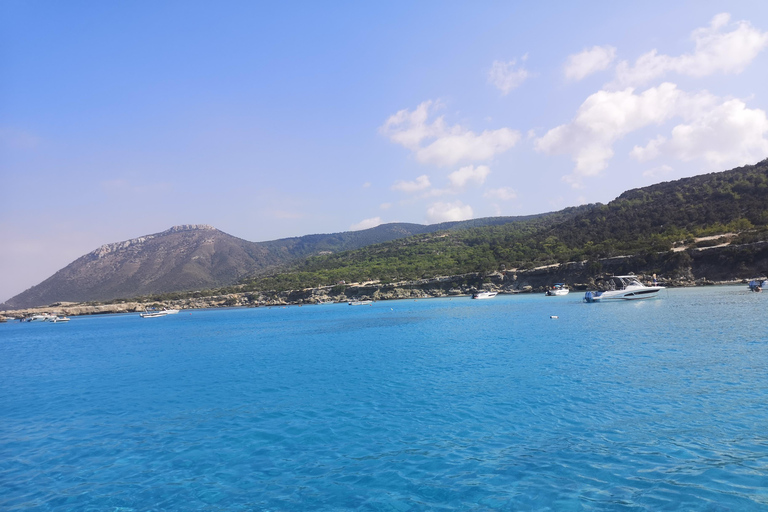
(197, 257)
(644, 222)
(662, 225)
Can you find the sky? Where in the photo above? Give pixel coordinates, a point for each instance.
(278, 119)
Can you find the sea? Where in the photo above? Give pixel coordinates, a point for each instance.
(521, 402)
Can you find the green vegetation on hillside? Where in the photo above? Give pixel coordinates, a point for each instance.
(641, 222)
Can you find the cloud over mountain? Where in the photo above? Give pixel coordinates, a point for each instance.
(438, 144)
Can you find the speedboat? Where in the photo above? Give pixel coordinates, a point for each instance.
(153, 314)
(171, 311)
(360, 302)
(757, 285)
(58, 319)
(41, 317)
(484, 295)
(624, 288)
(558, 289)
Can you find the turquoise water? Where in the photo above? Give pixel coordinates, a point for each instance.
(402, 405)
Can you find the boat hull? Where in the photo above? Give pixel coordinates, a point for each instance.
(484, 295)
(615, 296)
(153, 315)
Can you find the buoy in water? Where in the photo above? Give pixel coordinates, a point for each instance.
(553, 316)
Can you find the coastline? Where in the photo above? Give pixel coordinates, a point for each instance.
(508, 282)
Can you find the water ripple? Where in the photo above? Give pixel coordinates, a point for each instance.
(439, 404)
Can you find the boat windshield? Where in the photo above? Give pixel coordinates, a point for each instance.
(622, 282)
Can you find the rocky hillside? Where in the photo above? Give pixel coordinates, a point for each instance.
(184, 257)
(198, 257)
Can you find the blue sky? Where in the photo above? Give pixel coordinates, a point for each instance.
(270, 120)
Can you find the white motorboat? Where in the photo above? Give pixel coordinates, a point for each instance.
(41, 317)
(484, 295)
(171, 311)
(623, 288)
(558, 289)
(153, 314)
(360, 302)
(58, 319)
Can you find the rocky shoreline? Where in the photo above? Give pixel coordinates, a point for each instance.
(578, 276)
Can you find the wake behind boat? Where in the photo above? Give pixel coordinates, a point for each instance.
(624, 288)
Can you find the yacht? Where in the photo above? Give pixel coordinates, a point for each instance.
(557, 290)
(484, 295)
(360, 302)
(624, 288)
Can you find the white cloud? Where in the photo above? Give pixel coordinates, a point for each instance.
(503, 193)
(605, 117)
(589, 61)
(649, 152)
(505, 77)
(385, 206)
(716, 51)
(366, 224)
(409, 128)
(409, 187)
(467, 146)
(447, 212)
(470, 173)
(728, 134)
(449, 145)
(716, 130)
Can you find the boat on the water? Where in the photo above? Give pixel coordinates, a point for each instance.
(484, 295)
(171, 311)
(153, 314)
(360, 302)
(58, 319)
(757, 285)
(40, 317)
(623, 288)
(557, 290)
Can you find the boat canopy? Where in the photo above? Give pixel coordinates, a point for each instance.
(622, 282)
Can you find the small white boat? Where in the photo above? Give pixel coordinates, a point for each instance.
(624, 288)
(360, 302)
(171, 311)
(41, 317)
(484, 295)
(557, 290)
(153, 314)
(59, 319)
